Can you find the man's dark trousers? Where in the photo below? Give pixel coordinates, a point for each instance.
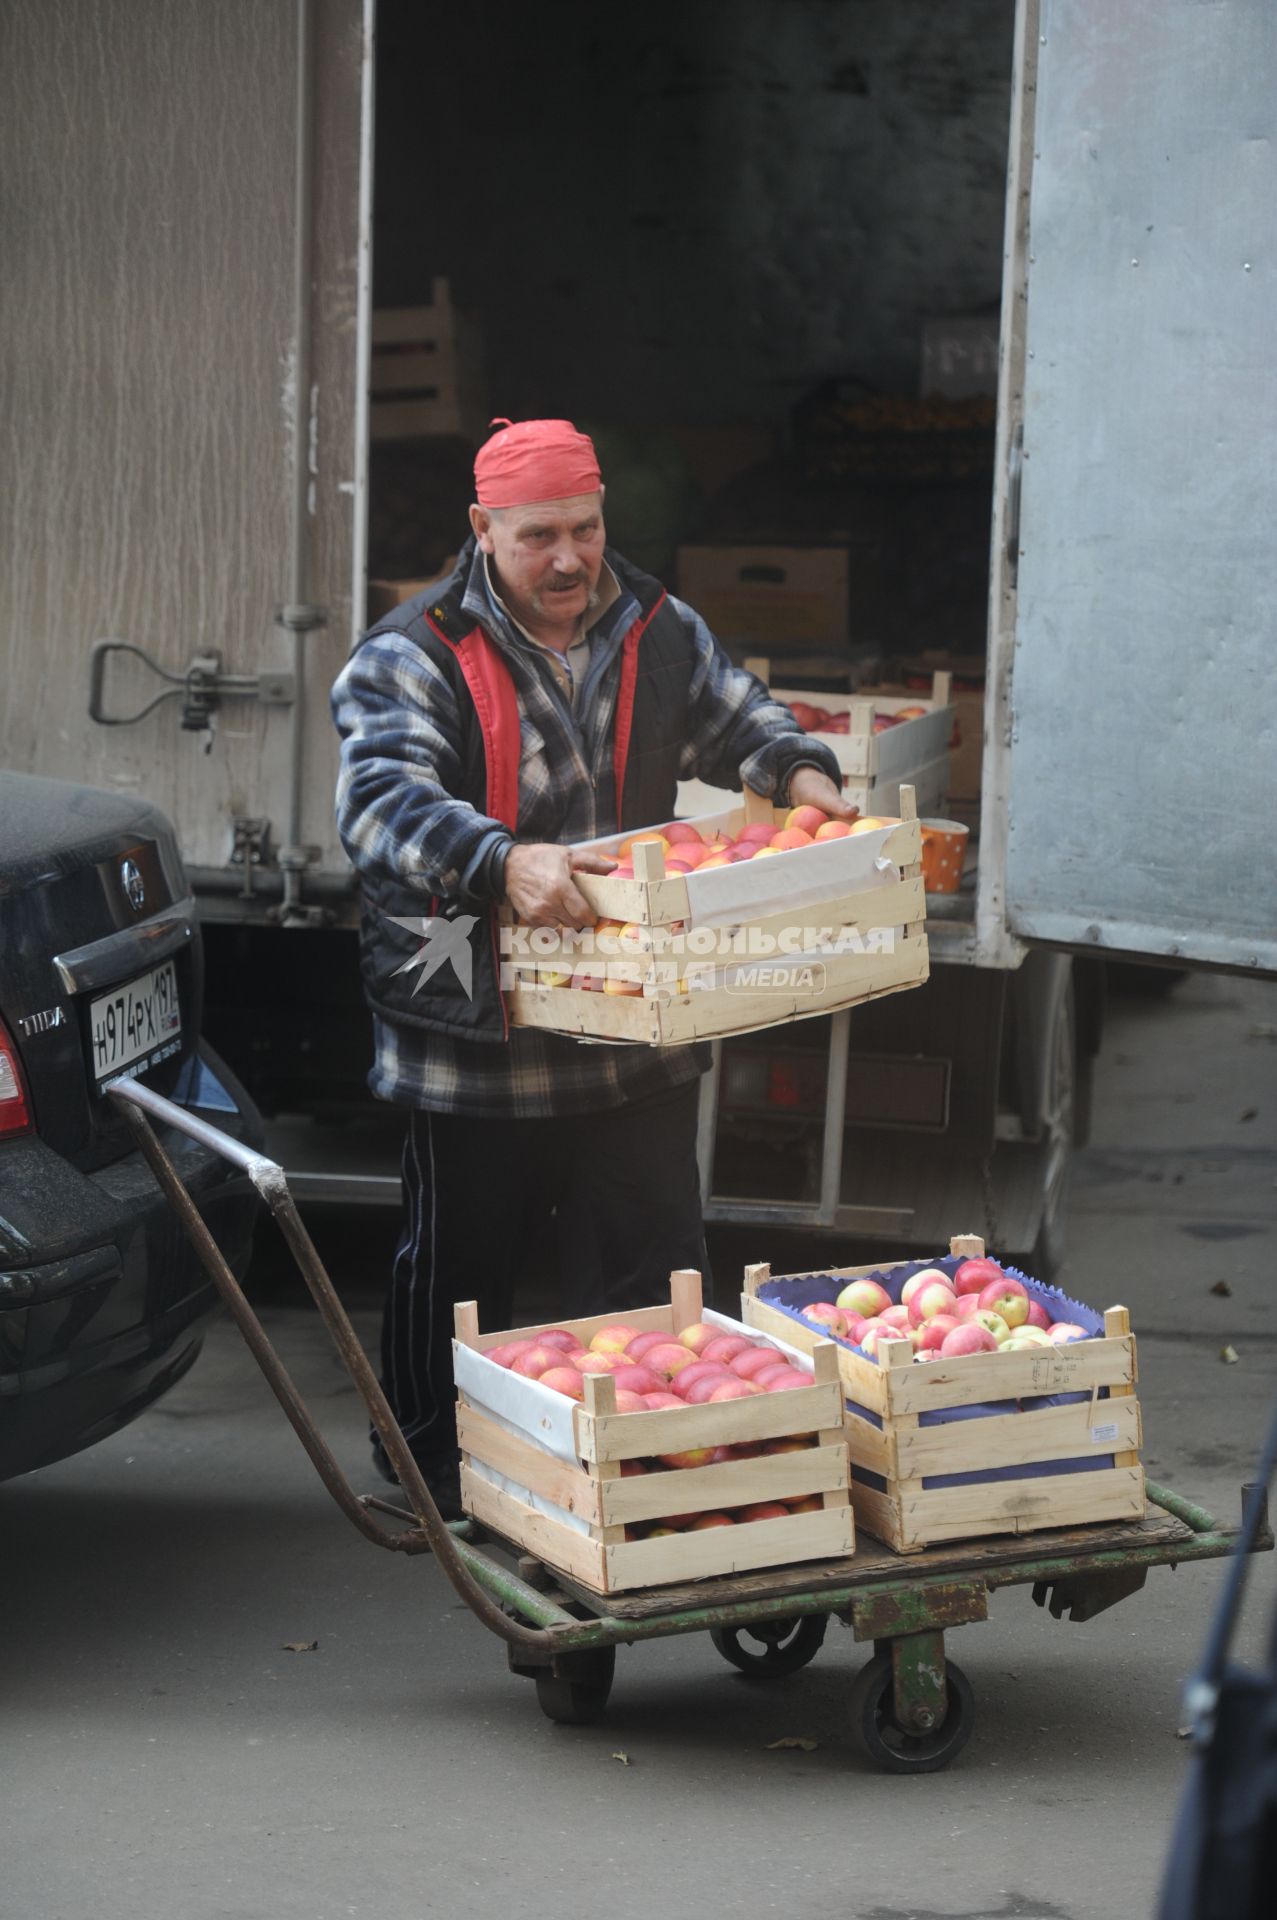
(623, 1187)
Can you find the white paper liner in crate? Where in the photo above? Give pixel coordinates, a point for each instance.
(499, 1392)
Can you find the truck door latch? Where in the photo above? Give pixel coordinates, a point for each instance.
(200, 689)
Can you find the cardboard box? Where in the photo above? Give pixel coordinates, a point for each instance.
(548, 1474)
(774, 597)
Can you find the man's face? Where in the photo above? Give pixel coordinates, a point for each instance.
(548, 558)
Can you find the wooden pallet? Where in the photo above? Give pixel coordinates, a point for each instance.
(680, 994)
(570, 1504)
(909, 1515)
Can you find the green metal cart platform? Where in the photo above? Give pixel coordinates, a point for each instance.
(911, 1708)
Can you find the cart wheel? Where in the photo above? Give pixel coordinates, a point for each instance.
(769, 1649)
(899, 1750)
(578, 1693)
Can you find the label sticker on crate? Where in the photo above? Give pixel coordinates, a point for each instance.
(1105, 1434)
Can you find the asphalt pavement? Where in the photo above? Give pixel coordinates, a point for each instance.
(220, 1703)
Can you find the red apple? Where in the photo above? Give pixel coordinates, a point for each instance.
(655, 1401)
(564, 1380)
(559, 1337)
(630, 1467)
(630, 1402)
(824, 1314)
(534, 1362)
(698, 1336)
(747, 1366)
(974, 1274)
(682, 833)
(715, 1370)
(923, 1278)
(790, 1443)
(763, 1510)
(756, 832)
(967, 1339)
(614, 1339)
(832, 830)
(812, 1503)
(669, 1359)
(805, 820)
(508, 1353)
(733, 1390)
(1038, 1316)
(1008, 1298)
(690, 1457)
(932, 1332)
(643, 1343)
(898, 1316)
(968, 1303)
(637, 1379)
(936, 1297)
(1063, 1332)
(992, 1323)
(600, 1362)
(726, 1347)
(703, 1521)
(865, 1297)
(785, 1382)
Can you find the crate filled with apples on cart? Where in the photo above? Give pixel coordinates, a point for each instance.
(744, 918)
(669, 1445)
(978, 1400)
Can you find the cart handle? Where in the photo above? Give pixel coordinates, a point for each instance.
(137, 1103)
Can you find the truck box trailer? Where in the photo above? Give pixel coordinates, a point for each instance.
(188, 320)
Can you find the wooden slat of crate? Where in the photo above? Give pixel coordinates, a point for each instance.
(866, 1444)
(765, 1416)
(726, 1483)
(578, 1554)
(870, 911)
(719, 1012)
(864, 1382)
(1010, 1506)
(1016, 1439)
(516, 1458)
(649, 1496)
(724, 1550)
(1077, 1368)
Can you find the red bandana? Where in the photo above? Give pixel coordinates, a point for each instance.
(533, 461)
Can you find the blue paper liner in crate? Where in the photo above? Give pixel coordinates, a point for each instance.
(796, 1291)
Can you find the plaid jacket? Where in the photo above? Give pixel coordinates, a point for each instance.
(403, 825)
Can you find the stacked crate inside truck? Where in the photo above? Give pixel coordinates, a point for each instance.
(881, 741)
(424, 378)
(771, 924)
(1042, 1430)
(668, 1489)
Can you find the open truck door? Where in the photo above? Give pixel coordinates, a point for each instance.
(1129, 785)
(185, 321)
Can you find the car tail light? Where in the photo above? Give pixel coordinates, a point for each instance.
(15, 1114)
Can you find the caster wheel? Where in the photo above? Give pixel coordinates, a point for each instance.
(769, 1649)
(904, 1750)
(578, 1693)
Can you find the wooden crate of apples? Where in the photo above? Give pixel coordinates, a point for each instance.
(978, 1401)
(743, 919)
(671, 1446)
(880, 741)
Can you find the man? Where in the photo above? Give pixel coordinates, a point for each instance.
(546, 692)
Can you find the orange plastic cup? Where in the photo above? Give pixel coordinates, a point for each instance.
(944, 849)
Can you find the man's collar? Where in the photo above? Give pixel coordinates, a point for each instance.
(607, 595)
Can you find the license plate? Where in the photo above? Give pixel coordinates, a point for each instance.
(136, 1025)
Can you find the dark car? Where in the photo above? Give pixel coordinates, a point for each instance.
(102, 1304)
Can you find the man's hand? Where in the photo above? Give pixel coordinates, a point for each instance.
(809, 787)
(539, 886)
